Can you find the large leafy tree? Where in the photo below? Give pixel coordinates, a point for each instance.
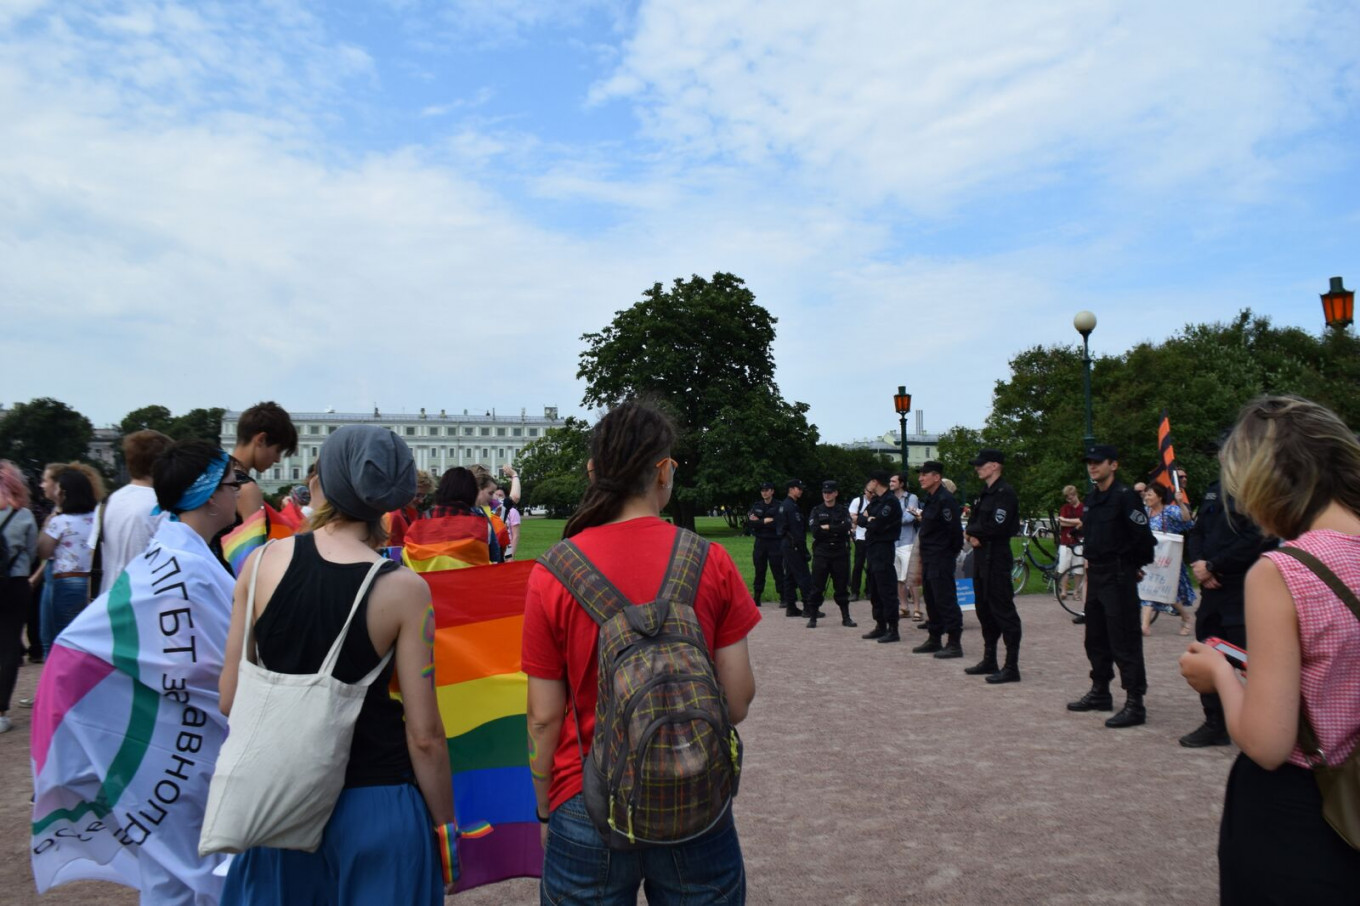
(552, 469)
(154, 418)
(1200, 376)
(44, 430)
(198, 424)
(703, 349)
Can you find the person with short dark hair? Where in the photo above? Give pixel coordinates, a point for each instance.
(794, 550)
(1118, 544)
(126, 524)
(994, 520)
(882, 522)
(762, 520)
(62, 546)
(456, 524)
(831, 528)
(265, 434)
(939, 540)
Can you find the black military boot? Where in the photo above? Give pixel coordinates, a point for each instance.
(929, 646)
(791, 610)
(845, 617)
(1132, 714)
(1206, 734)
(1010, 673)
(951, 648)
(1098, 699)
(878, 632)
(891, 635)
(812, 622)
(986, 666)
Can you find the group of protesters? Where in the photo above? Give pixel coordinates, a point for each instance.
(1290, 469)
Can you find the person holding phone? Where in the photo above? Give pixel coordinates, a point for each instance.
(1293, 467)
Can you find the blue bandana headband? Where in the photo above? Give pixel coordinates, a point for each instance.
(204, 486)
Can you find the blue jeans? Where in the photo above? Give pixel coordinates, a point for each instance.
(578, 868)
(62, 600)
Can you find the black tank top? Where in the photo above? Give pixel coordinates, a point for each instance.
(303, 618)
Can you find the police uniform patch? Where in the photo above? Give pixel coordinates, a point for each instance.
(1138, 517)
(948, 514)
(1000, 516)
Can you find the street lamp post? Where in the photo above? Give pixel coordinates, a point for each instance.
(1338, 306)
(1085, 322)
(902, 403)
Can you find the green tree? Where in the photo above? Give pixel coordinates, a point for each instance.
(44, 430)
(198, 424)
(552, 469)
(155, 418)
(955, 448)
(703, 349)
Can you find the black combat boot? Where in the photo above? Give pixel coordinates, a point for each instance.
(951, 648)
(791, 610)
(812, 623)
(986, 666)
(1132, 714)
(878, 632)
(1010, 673)
(929, 646)
(845, 617)
(1209, 733)
(1098, 699)
(891, 635)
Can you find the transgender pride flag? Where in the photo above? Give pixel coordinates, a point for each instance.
(126, 728)
(479, 618)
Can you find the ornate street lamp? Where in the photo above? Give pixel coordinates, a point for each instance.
(1338, 305)
(902, 403)
(1085, 322)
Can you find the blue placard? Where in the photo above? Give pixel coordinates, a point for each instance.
(964, 589)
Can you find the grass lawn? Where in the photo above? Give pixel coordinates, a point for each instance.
(537, 535)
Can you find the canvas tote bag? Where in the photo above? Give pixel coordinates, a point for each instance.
(282, 765)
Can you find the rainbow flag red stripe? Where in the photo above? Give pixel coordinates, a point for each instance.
(482, 691)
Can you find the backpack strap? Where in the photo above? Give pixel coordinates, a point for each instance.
(591, 588)
(1308, 740)
(680, 585)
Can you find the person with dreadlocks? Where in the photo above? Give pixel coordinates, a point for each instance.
(619, 529)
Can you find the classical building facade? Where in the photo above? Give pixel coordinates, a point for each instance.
(920, 446)
(439, 442)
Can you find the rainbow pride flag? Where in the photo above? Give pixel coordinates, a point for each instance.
(482, 690)
(451, 541)
(262, 525)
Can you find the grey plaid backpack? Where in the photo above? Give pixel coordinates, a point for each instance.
(666, 760)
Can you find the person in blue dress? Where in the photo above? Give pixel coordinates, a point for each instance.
(1165, 515)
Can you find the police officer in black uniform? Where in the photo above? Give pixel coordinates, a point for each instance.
(1118, 544)
(793, 548)
(831, 530)
(992, 524)
(882, 522)
(762, 521)
(1220, 547)
(938, 541)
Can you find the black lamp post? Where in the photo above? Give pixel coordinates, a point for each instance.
(1085, 322)
(902, 403)
(1338, 305)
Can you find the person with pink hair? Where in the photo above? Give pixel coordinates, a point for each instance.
(18, 546)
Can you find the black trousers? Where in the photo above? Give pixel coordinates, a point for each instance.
(994, 593)
(33, 626)
(14, 598)
(836, 564)
(943, 616)
(796, 577)
(857, 574)
(1114, 634)
(1274, 845)
(767, 554)
(883, 584)
(1213, 618)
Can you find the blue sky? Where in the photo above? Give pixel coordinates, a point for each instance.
(413, 203)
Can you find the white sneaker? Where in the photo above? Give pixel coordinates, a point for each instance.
(6, 724)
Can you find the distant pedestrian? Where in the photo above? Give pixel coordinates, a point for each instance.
(994, 520)
(906, 539)
(1071, 565)
(19, 547)
(127, 523)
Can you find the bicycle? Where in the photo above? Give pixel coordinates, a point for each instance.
(1054, 580)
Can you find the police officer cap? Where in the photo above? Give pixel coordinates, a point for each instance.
(794, 483)
(988, 455)
(767, 485)
(882, 476)
(829, 487)
(1100, 453)
(930, 465)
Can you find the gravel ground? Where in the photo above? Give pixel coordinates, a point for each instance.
(875, 776)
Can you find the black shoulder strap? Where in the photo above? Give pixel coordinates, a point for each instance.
(1307, 738)
(9, 561)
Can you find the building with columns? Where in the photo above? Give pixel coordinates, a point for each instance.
(439, 442)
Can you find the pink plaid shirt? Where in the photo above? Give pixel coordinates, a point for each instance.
(1329, 635)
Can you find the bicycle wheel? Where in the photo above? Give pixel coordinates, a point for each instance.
(1019, 575)
(1075, 602)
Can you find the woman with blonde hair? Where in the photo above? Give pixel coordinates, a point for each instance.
(1293, 467)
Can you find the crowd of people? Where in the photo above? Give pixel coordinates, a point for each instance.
(1261, 548)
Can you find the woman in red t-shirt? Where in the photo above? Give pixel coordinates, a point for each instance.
(619, 529)
(1293, 467)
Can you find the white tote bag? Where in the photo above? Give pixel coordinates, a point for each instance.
(283, 763)
(1162, 577)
